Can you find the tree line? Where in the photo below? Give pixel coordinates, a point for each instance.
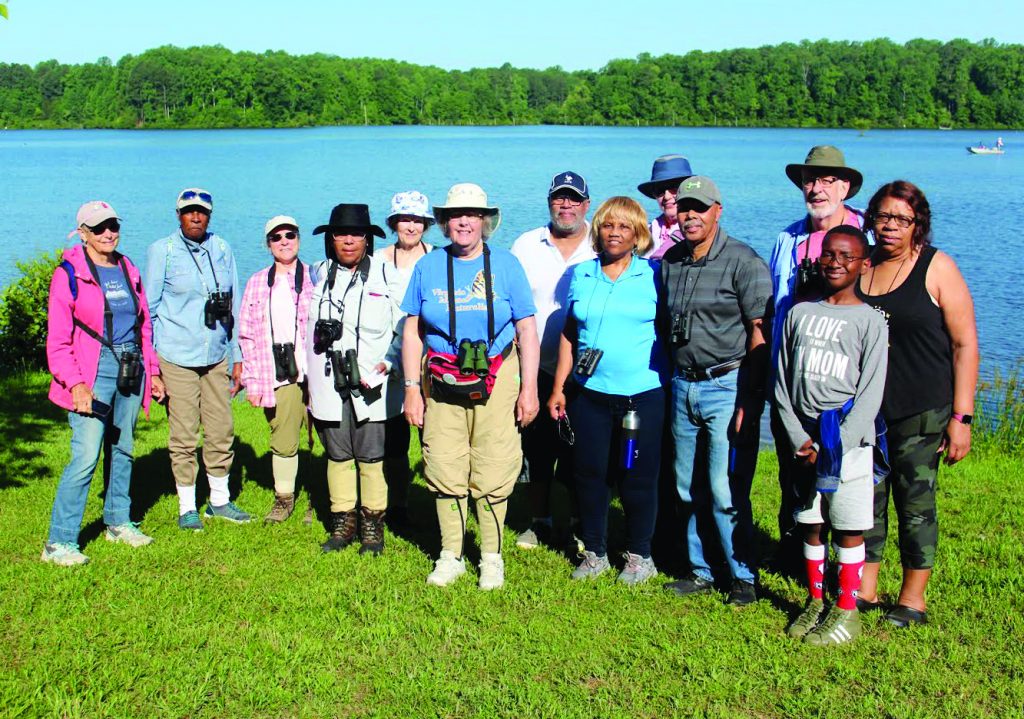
(878, 83)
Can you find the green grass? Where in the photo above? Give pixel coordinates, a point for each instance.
(250, 621)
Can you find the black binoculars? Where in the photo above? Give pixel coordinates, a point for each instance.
(284, 362)
(345, 366)
(808, 276)
(587, 362)
(472, 358)
(129, 372)
(218, 309)
(681, 324)
(325, 333)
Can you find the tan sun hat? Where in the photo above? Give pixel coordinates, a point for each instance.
(467, 196)
(826, 158)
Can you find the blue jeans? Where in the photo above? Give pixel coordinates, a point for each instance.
(87, 437)
(708, 406)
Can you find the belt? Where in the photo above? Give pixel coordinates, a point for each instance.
(699, 374)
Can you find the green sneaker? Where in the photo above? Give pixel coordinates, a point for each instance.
(807, 620)
(839, 627)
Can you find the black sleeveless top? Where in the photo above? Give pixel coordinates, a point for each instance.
(920, 374)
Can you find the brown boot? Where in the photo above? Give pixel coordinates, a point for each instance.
(284, 505)
(344, 527)
(371, 531)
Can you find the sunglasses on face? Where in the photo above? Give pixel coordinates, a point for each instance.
(192, 194)
(278, 236)
(111, 224)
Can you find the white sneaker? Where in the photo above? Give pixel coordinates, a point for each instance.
(64, 554)
(447, 569)
(129, 534)
(492, 571)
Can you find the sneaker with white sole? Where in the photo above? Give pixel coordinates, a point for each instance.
(492, 571)
(592, 566)
(839, 627)
(539, 533)
(128, 533)
(447, 569)
(637, 570)
(230, 511)
(63, 554)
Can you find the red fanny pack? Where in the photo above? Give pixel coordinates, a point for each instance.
(448, 383)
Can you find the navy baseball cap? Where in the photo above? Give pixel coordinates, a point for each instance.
(569, 180)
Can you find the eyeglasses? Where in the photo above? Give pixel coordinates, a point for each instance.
(565, 200)
(844, 258)
(565, 432)
(192, 194)
(826, 181)
(278, 236)
(883, 218)
(111, 224)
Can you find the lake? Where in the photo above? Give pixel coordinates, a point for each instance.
(976, 201)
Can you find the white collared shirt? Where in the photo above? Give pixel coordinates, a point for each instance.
(549, 275)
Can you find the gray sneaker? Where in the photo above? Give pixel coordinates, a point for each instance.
(539, 533)
(129, 534)
(637, 570)
(592, 566)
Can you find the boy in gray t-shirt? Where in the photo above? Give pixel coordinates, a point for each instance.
(828, 389)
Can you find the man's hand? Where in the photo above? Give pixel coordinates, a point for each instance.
(236, 378)
(808, 452)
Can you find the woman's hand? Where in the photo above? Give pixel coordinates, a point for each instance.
(956, 442)
(808, 452)
(527, 406)
(254, 399)
(81, 398)
(157, 389)
(379, 368)
(414, 406)
(556, 404)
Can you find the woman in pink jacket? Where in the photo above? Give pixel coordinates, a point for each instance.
(100, 352)
(272, 336)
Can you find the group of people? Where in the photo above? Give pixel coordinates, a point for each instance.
(614, 352)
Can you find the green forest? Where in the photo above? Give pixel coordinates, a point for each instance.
(878, 83)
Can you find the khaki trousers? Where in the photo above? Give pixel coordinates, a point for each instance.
(286, 420)
(198, 395)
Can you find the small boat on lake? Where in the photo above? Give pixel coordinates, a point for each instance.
(981, 149)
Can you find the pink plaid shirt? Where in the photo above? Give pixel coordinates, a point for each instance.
(258, 373)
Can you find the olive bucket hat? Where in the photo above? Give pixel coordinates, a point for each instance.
(826, 158)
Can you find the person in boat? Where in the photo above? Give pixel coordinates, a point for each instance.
(929, 390)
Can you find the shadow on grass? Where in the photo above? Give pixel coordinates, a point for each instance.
(27, 422)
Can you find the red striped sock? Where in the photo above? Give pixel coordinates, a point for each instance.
(814, 560)
(851, 566)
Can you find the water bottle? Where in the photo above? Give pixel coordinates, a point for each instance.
(630, 438)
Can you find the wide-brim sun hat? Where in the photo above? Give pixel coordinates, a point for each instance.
(350, 216)
(467, 196)
(826, 158)
(411, 204)
(666, 169)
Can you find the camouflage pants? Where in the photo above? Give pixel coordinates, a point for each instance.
(913, 445)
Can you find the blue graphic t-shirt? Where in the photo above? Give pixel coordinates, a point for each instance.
(427, 297)
(115, 287)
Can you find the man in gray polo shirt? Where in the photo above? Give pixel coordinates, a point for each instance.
(715, 290)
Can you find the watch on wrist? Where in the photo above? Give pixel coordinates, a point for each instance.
(963, 418)
(411, 383)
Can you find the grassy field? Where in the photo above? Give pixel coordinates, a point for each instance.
(250, 621)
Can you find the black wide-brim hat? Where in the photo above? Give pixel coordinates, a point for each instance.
(350, 216)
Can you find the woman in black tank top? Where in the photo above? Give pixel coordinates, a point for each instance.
(929, 394)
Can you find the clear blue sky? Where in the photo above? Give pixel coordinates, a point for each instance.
(482, 33)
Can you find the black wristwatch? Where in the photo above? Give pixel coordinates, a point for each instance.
(963, 418)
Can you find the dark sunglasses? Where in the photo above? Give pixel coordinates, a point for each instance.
(278, 236)
(192, 194)
(111, 224)
(565, 432)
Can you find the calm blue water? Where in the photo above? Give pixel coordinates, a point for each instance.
(977, 202)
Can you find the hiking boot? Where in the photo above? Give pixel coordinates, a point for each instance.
(190, 520)
(592, 566)
(741, 593)
(806, 620)
(692, 584)
(840, 626)
(63, 554)
(637, 570)
(344, 528)
(129, 534)
(492, 571)
(284, 505)
(371, 531)
(539, 533)
(447, 569)
(230, 511)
